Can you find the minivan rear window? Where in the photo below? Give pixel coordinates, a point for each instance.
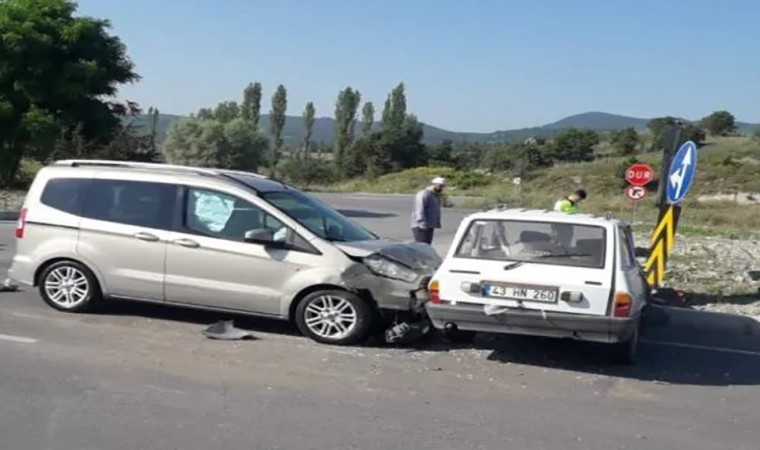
(556, 243)
(65, 194)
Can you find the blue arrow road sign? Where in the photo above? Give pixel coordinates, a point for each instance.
(681, 173)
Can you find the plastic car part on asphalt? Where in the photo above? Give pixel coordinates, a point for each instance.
(225, 330)
(8, 286)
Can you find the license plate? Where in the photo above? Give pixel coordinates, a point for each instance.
(522, 292)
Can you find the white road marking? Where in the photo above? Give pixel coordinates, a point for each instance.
(702, 347)
(19, 339)
(30, 316)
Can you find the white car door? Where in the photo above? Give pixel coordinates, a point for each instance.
(630, 269)
(532, 265)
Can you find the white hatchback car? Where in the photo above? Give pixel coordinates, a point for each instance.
(541, 273)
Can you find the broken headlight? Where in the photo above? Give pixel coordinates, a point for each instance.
(387, 268)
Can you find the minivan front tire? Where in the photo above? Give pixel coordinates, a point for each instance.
(69, 286)
(334, 317)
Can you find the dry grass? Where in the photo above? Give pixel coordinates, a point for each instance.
(725, 165)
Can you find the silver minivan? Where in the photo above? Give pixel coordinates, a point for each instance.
(212, 239)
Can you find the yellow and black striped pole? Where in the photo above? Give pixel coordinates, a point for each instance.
(664, 235)
(663, 239)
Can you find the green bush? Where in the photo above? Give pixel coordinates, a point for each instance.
(26, 173)
(312, 172)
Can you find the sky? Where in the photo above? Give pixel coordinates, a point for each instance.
(480, 65)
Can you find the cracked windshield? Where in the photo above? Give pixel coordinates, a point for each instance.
(379, 225)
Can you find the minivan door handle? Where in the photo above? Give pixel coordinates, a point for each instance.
(189, 243)
(146, 236)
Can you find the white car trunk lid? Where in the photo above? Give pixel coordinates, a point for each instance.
(518, 265)
(528, 285)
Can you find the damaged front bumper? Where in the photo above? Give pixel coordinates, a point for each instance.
(393, 295)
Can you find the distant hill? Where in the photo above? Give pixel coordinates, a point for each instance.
(324, 128)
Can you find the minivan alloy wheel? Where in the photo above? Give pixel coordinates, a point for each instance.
(67, 286)
(334, 316)
(330, 317)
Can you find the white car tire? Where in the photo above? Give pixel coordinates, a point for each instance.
(625, 352)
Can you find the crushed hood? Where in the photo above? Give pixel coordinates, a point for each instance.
(416, 255)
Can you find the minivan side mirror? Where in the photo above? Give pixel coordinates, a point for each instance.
(259, 236)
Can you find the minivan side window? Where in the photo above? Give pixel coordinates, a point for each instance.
(223, 216)
(65, 194)
(138, 203)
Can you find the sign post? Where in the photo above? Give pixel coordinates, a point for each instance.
(679, 168)
(637, 176)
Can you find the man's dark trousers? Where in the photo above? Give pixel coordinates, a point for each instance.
(423, 235)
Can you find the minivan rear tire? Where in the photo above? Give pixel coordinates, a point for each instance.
(317, 317)
(75, 277)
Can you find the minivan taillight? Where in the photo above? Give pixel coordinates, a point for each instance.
(21, 224)
(434, 292)
(623, 304)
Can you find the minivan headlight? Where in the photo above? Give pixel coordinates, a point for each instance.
(387, 268)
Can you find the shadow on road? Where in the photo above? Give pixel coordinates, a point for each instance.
(364, 214)
(196, 317)
(688, 347)
(679, 346)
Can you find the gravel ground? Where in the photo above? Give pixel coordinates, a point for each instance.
(718, 274)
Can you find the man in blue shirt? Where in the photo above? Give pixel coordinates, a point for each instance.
(426, 215)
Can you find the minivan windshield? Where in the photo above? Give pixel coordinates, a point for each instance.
(319, 218)
(557, 243)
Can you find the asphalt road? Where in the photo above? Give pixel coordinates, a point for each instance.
(143, 377)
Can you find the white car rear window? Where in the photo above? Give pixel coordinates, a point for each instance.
(565, 244)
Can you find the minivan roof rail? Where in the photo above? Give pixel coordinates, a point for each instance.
(134, 165)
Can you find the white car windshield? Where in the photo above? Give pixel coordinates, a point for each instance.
(566, 244)
(319, 218)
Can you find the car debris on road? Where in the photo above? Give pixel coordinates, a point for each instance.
(8, 286)
(225, 330)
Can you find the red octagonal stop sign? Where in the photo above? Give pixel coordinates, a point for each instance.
(639, 174)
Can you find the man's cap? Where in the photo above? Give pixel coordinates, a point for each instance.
(439, 180)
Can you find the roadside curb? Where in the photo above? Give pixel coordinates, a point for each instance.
(6, 215)
(715, 322)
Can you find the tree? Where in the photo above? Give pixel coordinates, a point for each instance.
(661, 126)
(719, 123)
(574, 145)
(227, 111)
(625, 141)
(345, 116)
(251, 109)
(397, 113)
(308, 122)
(211, 143)
(442, 154)
(243, 147)
(58, 73)
(194, 142)
(368, 118)
(277, 124)
(205, 113)
(400, 143)
(153, 116)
